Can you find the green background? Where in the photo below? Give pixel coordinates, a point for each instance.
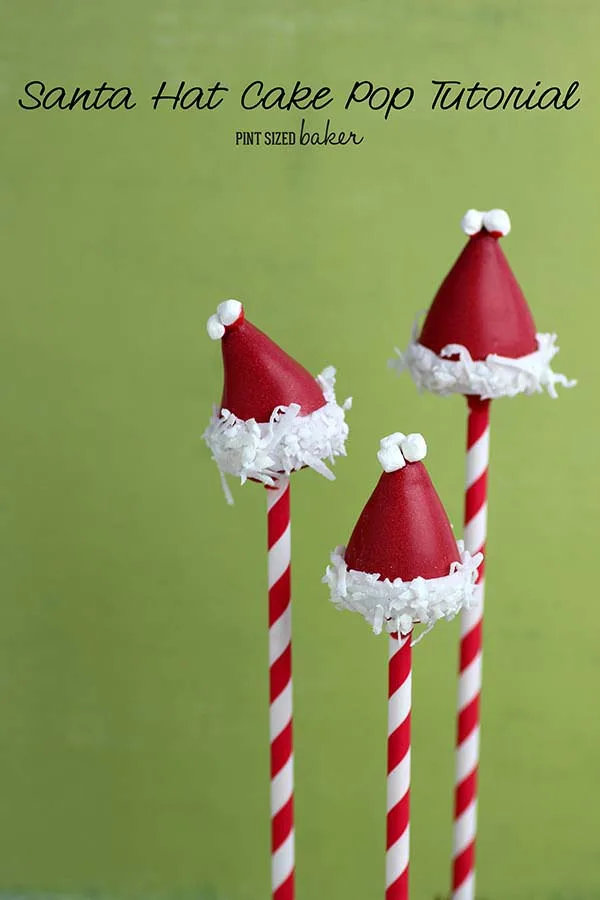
(133, 678)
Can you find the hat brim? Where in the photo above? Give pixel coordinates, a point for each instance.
(266, 451)
(495, 376)
(397, 606)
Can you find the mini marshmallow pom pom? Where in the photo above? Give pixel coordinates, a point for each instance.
(397, 449)
(229, 311)
(497, 221)
(215, 328)
(472, 222)
(390, 457)
(414, 448)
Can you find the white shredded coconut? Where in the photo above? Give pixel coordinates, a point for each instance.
(400, 605)
(496, 376)
(269, 451)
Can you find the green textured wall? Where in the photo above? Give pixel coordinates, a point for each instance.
(133, 683)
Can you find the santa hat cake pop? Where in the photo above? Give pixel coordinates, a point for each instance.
(402, 565)
(274, 416)
(479, 336)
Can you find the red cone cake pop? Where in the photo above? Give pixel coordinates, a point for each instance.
(478, 339)
(274, 416)
(402, 565)
(479, 336)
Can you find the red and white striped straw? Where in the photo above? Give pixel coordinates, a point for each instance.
(398, 768)
(469, 683)
(280, 688)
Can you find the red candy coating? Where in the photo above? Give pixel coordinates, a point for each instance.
(259, 375)
(480, 305)
(403, 531)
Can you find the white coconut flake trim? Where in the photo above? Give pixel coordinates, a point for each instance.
(397, 606)
(496, 376)
(270, 451)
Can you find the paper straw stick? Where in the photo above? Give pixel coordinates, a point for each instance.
(469, 682)
(280, 687)
(398, 768)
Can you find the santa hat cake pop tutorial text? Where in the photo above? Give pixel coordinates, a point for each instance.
(256, 95)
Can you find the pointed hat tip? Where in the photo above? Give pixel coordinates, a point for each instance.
(228, 313)
(397, 449)
(495, 221)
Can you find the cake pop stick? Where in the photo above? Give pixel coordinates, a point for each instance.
(478, 339)
(397, 831)
(402, 567)
(274, 419)
(470, 656)
(280, 692)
